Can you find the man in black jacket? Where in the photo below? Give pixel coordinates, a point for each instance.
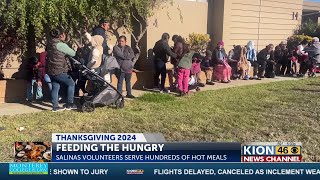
(101, 30)
(161, 52)
(264, 57)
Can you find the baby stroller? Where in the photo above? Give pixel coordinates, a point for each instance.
(102, 93)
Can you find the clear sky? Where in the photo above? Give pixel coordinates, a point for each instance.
(313, 0)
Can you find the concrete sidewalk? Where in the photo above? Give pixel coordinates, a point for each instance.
(10, 109)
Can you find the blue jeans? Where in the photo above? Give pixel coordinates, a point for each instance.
(30, 89)
(57, 81)
(124, 76)
(160, 69)
(48, 81)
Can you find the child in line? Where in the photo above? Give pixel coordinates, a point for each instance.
(184, 67)
(196, 70)
(34, 78)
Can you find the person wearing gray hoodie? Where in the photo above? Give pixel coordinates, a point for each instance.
(124, 55)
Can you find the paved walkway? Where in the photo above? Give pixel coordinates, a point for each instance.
(18, 108)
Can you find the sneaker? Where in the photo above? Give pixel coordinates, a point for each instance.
(58, 109)
(225, 81)
(130, 96)
(182, 94)
(164, 90)
(210, 83)
(71, 107)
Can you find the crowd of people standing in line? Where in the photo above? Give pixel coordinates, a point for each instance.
(55, 69)
(222, 67)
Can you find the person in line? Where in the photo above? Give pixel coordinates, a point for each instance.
(292, 56)
(243, 65)
(264, 57)
(161, 50)
(124, 55)
(57, 68)
(286, 63)
(222, 70)
(207, 67)
(233, 60)
(278, 57)
(184, 67)
(43, 61)
(101, 30)
(252, 59)
(314, 56)
(302, 57)
(178, 50)
(95, 57)
(196, 70)
(34, 78)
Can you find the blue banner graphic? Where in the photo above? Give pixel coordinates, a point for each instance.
(146, 152)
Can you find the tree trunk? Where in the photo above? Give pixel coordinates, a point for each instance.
(31, 42)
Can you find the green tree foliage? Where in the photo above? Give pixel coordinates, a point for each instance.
(26, 23)
(309, 28)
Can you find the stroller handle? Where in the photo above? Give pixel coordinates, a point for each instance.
(74, 60)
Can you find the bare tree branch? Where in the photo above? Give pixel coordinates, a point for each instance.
(140, 23)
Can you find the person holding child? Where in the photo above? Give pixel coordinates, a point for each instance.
(222, 70)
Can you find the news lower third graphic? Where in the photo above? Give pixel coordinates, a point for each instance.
(149, 156)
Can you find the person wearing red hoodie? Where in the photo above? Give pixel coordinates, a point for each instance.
(44, 75)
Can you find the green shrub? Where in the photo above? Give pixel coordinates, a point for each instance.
(294, 41)
(198, 41)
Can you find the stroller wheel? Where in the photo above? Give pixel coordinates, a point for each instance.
(119, 104)
(82, 100)
(88, 106)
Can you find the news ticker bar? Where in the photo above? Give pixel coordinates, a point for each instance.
(157, 171)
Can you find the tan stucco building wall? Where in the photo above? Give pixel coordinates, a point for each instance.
(263, 21)
(182, 17)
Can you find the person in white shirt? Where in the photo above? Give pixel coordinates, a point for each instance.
(302, 57)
